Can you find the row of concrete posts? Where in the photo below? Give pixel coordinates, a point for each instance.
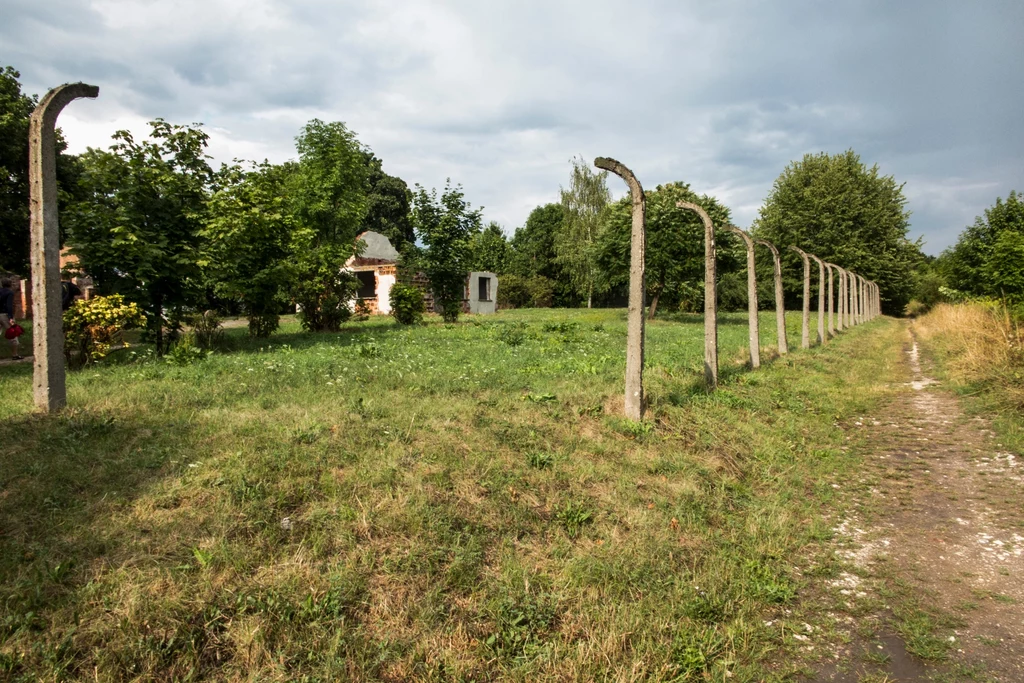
(852, 299)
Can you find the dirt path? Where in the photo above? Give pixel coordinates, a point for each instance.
(936, 551)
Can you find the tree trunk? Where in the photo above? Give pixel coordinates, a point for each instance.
(654, 304)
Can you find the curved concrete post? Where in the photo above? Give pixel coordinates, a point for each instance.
(710, 297)
(752, 322)
(780, 300)
(48, 389)
(831, 299)
(841, 317)
(822, 337)
(856, 299)
(634, 404)
(860, 299)
(805, 335)
(851, 292)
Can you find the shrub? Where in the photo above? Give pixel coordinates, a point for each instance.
(186, 351)
(362, 310)
(514, 292)
(513, 334)
(517, 291)
(323, 291)
(407, 305)
(93, 327)
(914, 308)
(260, 325)
(207, 329)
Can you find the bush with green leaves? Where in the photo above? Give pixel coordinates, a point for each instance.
(93, 327)
(407, 304)
(186, 351)
(207, 329)
(446, 225)
(517, 291)
(323, 291)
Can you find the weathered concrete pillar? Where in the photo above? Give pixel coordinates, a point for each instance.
(634, 404)
(831, 299)
(822, 337)
(805, 335)
(851, 305)
(48, 388)
(710, 297)
(860, 299)
(841, 318)
(780, 300)
(855, 288)
(753, 331)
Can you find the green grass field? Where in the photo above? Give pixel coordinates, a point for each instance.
(447, 502)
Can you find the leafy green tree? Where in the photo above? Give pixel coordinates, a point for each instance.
(490, 250)
(446, 226)
(137, 229)
(532, 253)
(675, 245)
(575, 243)
(15, 112)
(329, 200)
(1004, 269)
(969, 266)
(388, 205)
(837, 208)
(248, 240)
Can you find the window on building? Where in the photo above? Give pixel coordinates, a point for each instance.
(485, 289)
(367, 284)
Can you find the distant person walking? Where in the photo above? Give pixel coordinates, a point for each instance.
(7, 314)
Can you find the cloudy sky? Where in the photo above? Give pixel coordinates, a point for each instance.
(500, 94)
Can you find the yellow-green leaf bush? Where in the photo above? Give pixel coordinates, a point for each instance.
(92, 328)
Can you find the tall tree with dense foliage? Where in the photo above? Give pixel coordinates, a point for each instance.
(984, 261)
(388, 205)
(248, 240)
(490, 250)
(575, 243)
(329, 199)
(15, 111)
(137, 229)
(446, 225)
(532, 257)
(846, 213)
(675, 245)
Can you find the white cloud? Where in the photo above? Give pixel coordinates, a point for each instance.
(500, 95)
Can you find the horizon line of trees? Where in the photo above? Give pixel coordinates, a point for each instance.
(152, 220)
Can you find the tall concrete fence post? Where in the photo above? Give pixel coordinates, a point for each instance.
(831, 300)
(753, 328)
(822, 335)
(780, 299)
(710, 297)
(634, 403)
(48, 383)
(805, 334)
(852, 289)
(841, 318)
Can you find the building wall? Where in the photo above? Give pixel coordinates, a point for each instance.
(475, 303)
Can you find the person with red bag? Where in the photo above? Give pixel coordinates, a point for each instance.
(10, 328)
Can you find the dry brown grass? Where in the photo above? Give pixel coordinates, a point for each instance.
(980, 346)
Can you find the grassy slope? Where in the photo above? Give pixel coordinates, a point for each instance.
(978, 353)
(425, 503)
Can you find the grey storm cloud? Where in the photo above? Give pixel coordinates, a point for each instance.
(499, 96)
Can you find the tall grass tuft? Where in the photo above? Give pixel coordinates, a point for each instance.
(981, 347)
